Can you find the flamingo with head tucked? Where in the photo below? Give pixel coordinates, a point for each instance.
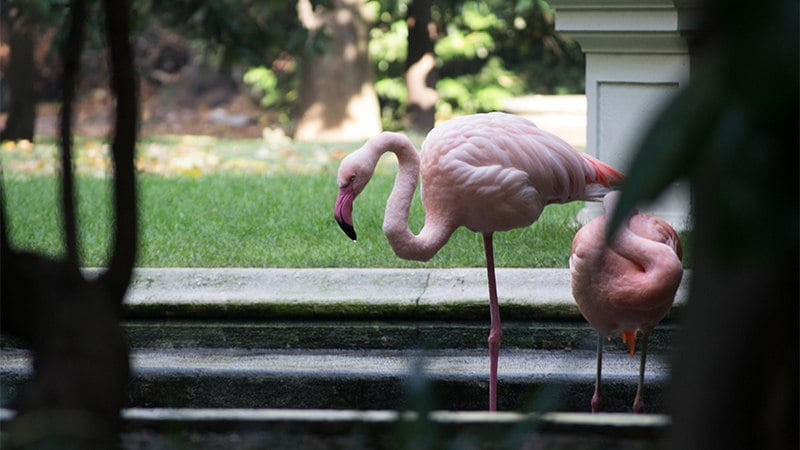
(625, 285)
(487, 172)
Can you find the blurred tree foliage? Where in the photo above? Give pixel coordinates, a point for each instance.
(231, 31)
(487, 51)
(20, 22)
(222, 33)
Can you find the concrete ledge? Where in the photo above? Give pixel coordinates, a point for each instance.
(329, 429)
(221, 417)
(372, 334)
(528, 380)
(609, 424)
(398, 293)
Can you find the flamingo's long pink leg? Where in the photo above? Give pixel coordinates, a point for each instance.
(597, 398)
(495, 332)
(638, 402)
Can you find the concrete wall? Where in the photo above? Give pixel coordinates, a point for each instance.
(636, 59)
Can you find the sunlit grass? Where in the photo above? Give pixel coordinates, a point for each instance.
(282, 220)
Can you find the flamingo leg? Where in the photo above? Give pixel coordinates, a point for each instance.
(638, 402)
(495, 332)
(597, 398)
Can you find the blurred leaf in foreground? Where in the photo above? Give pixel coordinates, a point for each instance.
(733, 132)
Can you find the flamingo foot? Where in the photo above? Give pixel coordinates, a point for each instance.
(597, 401)
(638, 404)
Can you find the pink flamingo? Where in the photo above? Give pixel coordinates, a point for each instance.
(626, 285)
(487, 172)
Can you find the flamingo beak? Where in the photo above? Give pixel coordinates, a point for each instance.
(343, 211)
(629, 337)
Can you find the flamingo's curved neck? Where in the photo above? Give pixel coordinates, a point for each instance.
(405, 244)
(657, 260)
(642, 251)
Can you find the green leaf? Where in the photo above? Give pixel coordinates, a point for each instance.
(673, 145)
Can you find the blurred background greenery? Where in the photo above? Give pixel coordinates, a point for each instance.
(485, 52)
(200, 61)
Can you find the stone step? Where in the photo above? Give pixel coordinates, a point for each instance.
(544, 380)
(372, 334)
(278, 429)
(363, 340)
(345, 294)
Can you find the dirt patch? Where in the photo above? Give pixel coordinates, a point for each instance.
(234, 117)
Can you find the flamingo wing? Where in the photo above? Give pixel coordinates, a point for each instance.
(505, 167)
(467, 167)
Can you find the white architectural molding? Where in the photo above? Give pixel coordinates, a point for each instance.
(636, 59)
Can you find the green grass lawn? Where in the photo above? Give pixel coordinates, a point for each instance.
(271, 220)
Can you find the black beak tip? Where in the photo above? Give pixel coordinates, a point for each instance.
(348, 229)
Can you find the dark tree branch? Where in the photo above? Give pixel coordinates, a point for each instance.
(420, 70)
(4, 246)
(124, 85)
(72, 58)
(19, 74)
(420, 41)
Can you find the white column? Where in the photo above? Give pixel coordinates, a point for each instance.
(636, 59)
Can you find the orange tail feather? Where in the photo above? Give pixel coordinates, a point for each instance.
(605, 174)
(629, 337)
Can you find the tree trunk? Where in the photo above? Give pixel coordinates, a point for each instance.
(337, 94)
(421, 72)
(20, 76)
